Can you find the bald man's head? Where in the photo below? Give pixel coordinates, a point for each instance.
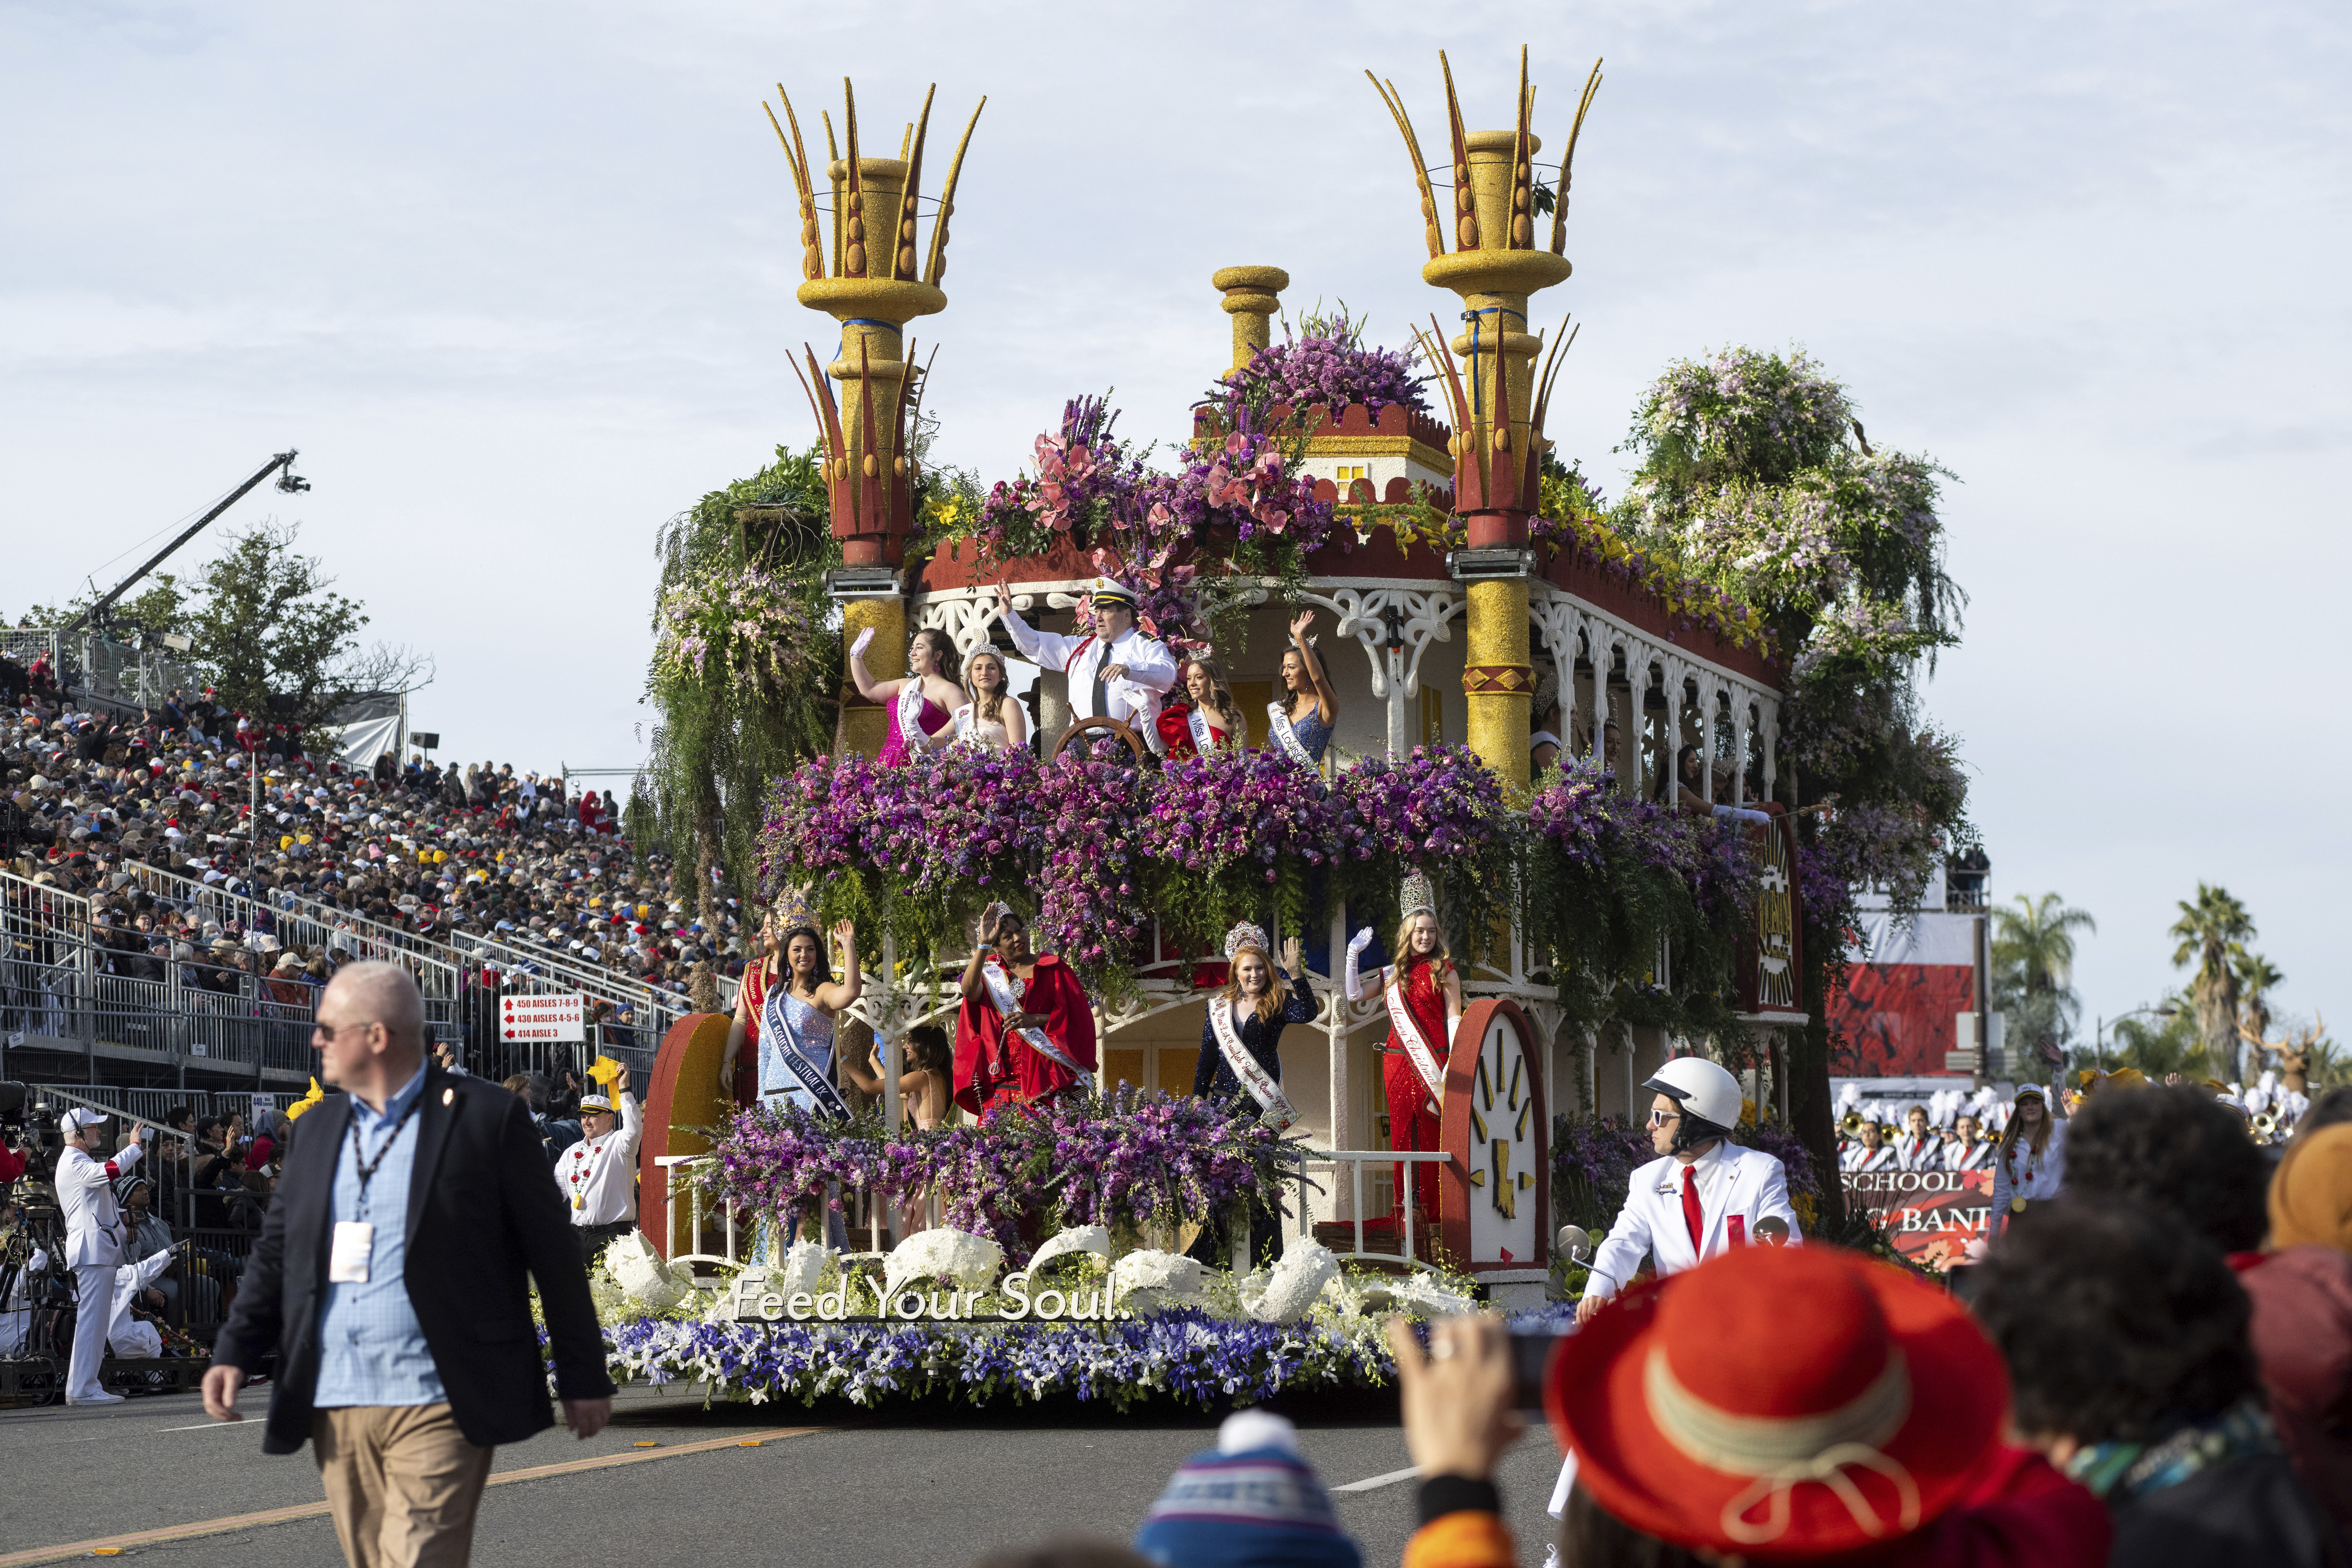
(371, 1030)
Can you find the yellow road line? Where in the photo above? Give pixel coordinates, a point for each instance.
(315, 1509)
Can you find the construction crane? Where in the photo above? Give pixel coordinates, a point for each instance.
(288, 481)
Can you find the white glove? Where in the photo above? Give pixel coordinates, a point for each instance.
(864, 640)
(1355, 987)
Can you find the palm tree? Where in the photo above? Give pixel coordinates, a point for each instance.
(2033, 965)
(2256, 980)
(2207, 928)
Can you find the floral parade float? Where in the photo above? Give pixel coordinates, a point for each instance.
(1478, 605)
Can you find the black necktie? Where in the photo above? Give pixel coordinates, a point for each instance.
(1102, 687)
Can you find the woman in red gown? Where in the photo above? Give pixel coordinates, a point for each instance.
(1212, 716)
(1432, 998)
(996, 1062)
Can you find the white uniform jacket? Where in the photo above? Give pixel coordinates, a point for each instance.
(1922, 1154)
(86, 1195)
(2022, 1173)
(1975, 1156)
(598, 1175)
(1732, 1181)
(1860, 1157)
(1134, 699)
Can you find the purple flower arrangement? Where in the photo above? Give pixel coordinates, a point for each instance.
(1436, 804)
(1328, 366)
(1128, 1160)
(1184, 1355)
(1097, 844)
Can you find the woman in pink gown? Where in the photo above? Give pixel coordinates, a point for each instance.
(920, 707)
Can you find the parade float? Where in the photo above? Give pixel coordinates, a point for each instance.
(1471, 607)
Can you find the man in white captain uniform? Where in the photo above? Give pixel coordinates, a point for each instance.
(1702, 1197)
(1116, 672)
(598, 1175)
(93, 1242)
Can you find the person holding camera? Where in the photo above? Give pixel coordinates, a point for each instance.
(93, 1242)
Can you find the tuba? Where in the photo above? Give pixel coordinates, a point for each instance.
(1850, 1124)
(2263, 1127)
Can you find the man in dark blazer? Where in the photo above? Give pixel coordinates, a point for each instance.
(392, 1278)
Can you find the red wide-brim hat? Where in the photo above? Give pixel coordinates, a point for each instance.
(1779, 1403)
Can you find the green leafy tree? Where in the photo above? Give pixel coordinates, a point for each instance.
(745, 670)
(2165, 1042)
(2208, 928)
(270, 624)
(1756, 478)
(2033, 968)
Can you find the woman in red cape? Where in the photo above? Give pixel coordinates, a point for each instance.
(1433, 996)
(995, 1066)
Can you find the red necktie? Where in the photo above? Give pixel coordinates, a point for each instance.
(1691, 1215)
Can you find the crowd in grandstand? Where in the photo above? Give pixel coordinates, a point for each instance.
(444, 854)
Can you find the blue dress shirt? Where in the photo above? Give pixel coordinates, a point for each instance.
(371, 1348)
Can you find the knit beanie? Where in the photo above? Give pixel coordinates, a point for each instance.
(2310, 1196)
(1249, 1502)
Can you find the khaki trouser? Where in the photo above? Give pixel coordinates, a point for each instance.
(403, 1481)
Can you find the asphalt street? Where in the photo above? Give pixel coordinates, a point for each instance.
(922, 1487)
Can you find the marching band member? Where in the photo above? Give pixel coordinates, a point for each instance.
(2030, 1167)
(1918, 1149)
(598, 1175)
(1967, 1150)
(85, 1183)
(1116, 671)
(1872, 1154)
(1424, 992)
(1026, 1032)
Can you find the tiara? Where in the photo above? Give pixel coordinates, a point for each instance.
(1418, 897)
(1246, 935)
(793, 909)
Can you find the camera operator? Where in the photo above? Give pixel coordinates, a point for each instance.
(93, 1242)
(12, 1149)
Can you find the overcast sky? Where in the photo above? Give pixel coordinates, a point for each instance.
(517, 278)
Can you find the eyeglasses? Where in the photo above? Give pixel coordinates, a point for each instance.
(1660, 1118)
(327, 1031)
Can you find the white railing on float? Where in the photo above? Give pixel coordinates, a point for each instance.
(1356, 1160)
(672, 1166)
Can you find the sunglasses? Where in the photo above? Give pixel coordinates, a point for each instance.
(328, 1031)
(1660, 1118)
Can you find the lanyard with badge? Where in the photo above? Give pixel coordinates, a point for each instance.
(347, 1262)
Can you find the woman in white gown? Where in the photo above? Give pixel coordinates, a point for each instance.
(993, 720)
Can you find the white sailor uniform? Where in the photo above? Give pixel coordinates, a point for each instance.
(598, 1175)
(1133, 699)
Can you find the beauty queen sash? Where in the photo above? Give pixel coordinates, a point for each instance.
(999, 991)
(1278, 722)
(1201, 740)
(1425, 1059)
(910, 715)
(777, 1034)
(1275, 1105)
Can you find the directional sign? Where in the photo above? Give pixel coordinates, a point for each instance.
(552, 1015)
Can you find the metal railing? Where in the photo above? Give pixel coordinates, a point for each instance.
(95, 669)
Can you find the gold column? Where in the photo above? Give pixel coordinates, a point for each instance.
(1482, 246)
(1251, 300)
(865, 270)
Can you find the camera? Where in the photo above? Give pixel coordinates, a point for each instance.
(28, 1124)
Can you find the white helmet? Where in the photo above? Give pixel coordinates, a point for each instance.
(1703, 1089)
